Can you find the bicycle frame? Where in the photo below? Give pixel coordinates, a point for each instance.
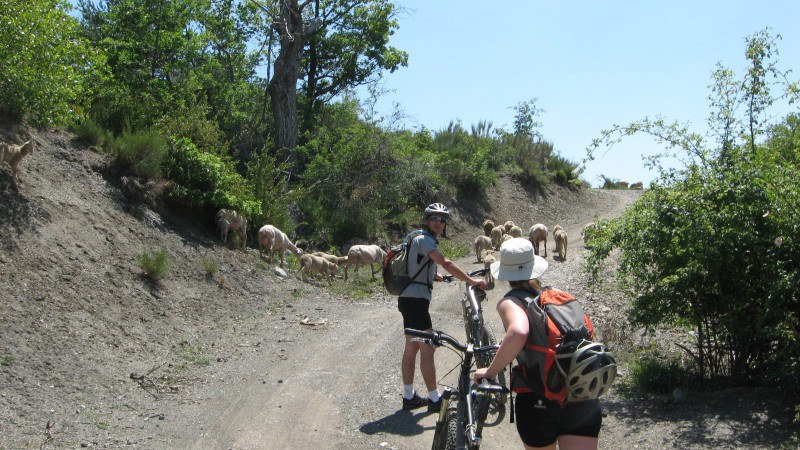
(470, 397)
(477, 333)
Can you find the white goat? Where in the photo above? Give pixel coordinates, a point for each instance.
(482, 243)
(515, 231)
(507, 226)
(538, 233)
(560, 236)
(487, 227)
(587, 231)
(488, 260)
(13, 154)
(497, 236)
(275, 240)
(228, 219)
(361, 255)
(317, 264)
(332, 258)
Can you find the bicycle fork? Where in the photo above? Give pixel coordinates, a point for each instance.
(447, 394)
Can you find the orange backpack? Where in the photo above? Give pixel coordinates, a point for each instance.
(557, 323)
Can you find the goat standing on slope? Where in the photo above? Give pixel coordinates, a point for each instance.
(227, 220)
(274, 240)
(13, 154)
(364, 255)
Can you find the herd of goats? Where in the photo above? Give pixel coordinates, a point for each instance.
(272, 240)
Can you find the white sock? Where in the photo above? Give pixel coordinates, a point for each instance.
(434, 395)
(408, 391)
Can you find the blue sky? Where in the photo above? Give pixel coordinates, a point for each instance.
(590, 64)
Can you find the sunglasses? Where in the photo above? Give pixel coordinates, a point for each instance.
(437, 219)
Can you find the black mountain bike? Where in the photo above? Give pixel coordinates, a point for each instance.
(477, 332)
(464, 409)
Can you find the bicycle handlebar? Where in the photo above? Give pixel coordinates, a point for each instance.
(474, 273)
(438, 338)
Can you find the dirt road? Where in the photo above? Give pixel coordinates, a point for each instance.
(338, 385)
(93, 355)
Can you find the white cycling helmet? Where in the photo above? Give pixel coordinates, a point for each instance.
(437, 208)
(592, 370)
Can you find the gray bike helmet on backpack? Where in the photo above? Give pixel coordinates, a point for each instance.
(437, 208)
(592, 370)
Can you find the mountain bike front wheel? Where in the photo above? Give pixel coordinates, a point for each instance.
(483, 361)
(445, 436)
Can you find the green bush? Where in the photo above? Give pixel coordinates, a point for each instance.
(192, 123)
(565, 171)
(154, 265)
(90, 132)
(659, 374)
(268, 181)
(206, 180)
(139, 154)
(453, 250)
(713, 246)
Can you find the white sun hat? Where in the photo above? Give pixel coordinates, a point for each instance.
(518, 261)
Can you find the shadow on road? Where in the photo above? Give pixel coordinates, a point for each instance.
(401, 422)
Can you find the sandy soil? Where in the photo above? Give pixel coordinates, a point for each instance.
(93, 355)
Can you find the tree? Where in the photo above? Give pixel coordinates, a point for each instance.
(150, 48)
(43, 59)
(351, 49)
(347, 46)
(183, 66)
(713, 245)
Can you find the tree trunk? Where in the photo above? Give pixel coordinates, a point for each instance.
(283, 85)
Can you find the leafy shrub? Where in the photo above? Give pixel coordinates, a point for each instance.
(530, 160)
(90, 132)
(192, 123)
(206, 180)
(268, 181)
(713, 246)
(139, 153)
(358, 180)
(154, 265)
(565, 171)
(464, 158)
(659, 374)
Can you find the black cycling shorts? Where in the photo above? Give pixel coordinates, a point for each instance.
(540, 422)
(415, 313)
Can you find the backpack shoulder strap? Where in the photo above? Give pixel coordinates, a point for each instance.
(410, 237)
(526, 296)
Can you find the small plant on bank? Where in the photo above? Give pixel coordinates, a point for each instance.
(209, 265)
(6, 360)
(154, 265)
(193, 354)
